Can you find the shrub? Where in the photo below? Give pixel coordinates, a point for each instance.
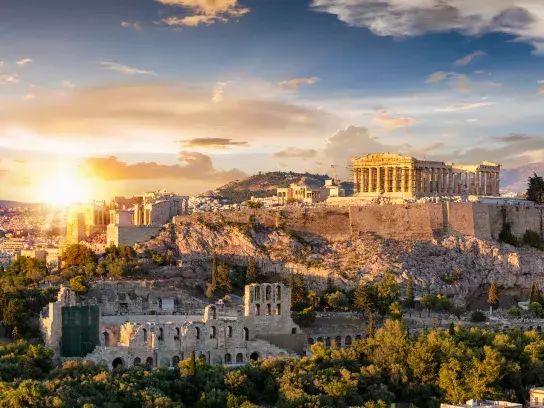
(514, 312)
(531, 238)
(506, 235)
(306, 317)
(477, 317)
(536, 309)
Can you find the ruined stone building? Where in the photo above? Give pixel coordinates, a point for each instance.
(398, 176)
(128, 323)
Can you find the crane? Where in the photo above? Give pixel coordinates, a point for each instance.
(334, 175)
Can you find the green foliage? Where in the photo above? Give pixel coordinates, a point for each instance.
(337, 300)
(223, 278)
(298, 291)
(409, 293)
(78, 284)
(514, 312)
(536, 309)
(493, 294)
(506, 235)
(25, 271)
(305, 317)
(77, 255)
(252, 274)
(313, 299)
(253, 204)
(531, 238)
(535, 189)
(364, 298)
(536, 295)
(454, 276)
(477, 317)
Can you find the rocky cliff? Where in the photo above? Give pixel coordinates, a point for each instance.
(461, 266)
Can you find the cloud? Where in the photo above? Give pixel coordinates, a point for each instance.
(29, 96)
(540, 90)
(212, 143)
(160, 111)
(134, 25)
(523, 19)
(9, 78)
(466, 106)
(205, 11)
(68, 84)
(295, 153)
(217, 95)
(468, 59)
(24, 61)
(513, 138)
(193, 166)
(461, 82)
(295, 83)
(390, 122)
(125, 69)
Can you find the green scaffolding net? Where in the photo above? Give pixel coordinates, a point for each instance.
(80, 330)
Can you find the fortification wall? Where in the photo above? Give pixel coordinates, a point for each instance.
(130, 235)
(415, 221)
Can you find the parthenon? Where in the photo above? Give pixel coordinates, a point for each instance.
(399, 176)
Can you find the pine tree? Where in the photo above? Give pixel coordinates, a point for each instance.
(410, 292)
(535, 294)
(370, 327)
(535, 189)
(493, 295)
(298, 290)
(222, 278)
(251, 274)
(192, 366)
(363, 298)
(214, 271)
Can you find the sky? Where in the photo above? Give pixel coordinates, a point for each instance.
(115, 97)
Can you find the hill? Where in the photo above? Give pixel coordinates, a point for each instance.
(11, 204)
(516, 179)
(265, 184)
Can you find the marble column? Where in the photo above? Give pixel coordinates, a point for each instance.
(440, 181)
(387, 179)
(498, 184)
(403, 187)
(411, 179)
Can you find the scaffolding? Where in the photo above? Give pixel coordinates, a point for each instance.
(80, 330)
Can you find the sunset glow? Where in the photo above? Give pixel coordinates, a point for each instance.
(64, 187)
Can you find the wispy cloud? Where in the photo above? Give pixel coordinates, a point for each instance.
(466, 106)
(295, 83)
(134, 25)
(24, 61)
(29, 96)
(68, 84)
(206, 12)
(218, 89)
(125, 69)
(9, 78)
(391, 122)
(461, 82)
(295, 153)
(468, 59)
(216, 143)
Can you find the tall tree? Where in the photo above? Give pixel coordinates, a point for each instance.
(222, 278)
(298, 290)
(535, 294)
(535, 189)
(493, 295)
(409, 294)
(251, 274)
(370, 326)
(214, 271)
(363, 298)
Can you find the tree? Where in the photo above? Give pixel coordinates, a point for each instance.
(14, 315)
(77, 255)
(336, 300)
(314, 300)
(78, 284)
(298, 291)
(409, 295)
(370, 326)
(535, 189)
(535, 297)
(363, 298)
(493, 295)
(251, 274)
(306, 317)
(222, 279)
(214, 271)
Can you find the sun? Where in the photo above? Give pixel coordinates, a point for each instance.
(64, 187)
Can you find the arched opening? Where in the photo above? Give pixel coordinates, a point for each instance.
(246, 334)
(202, 357)
(257, 309)
(137, 361)
(348, 341)
(294, 330)
(161, 334)
(213, 332)
(358, 337)
(268, 293)
(320, 339)
(239, 358)
(278, 309)
(310, 341)
(328, 342)
(178, 332)
(117, 363)
(268, 309)
(229, 331)
(254, 356)
(175, 361)
(149, 362)
(106, 337)
(338, 341)
(228, 358)
(213, 313)
(197, 332)
(257, 293)
(278, 293)
(144, 334)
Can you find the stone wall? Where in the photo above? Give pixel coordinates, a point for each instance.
(130, 235)
(420, 221)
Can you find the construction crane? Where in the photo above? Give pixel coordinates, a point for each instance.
(334, 176)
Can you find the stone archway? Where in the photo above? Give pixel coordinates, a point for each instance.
(149, 362)
(239, 358)
(137, 361)
(175, 361)
(117, 363)
(254, 356)
(228, 358)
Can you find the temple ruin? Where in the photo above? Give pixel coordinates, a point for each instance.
(397, 176)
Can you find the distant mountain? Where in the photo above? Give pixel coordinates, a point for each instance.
(11, 204)
(265, 184)
(515, 179)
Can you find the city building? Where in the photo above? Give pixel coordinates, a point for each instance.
(473, 403)
(536, 397)
(14, 245)
(335, 190)
(301, 193)
(398, 176)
